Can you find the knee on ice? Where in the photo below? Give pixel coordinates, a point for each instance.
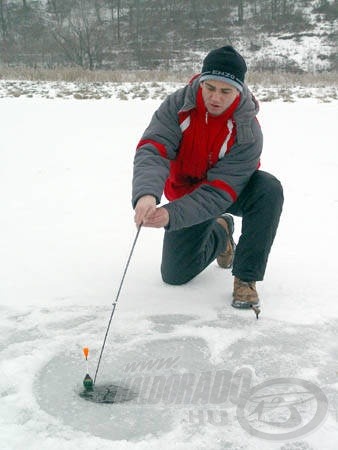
(174, 278)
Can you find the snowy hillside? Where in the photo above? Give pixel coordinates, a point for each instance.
(66, 230)
(288, 35)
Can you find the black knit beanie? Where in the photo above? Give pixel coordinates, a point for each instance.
(224, 64)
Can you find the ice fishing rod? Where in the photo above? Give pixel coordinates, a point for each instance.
(116, 300)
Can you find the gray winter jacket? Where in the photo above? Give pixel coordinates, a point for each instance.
(161, 142)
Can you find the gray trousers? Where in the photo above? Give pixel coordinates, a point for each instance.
(188, 251)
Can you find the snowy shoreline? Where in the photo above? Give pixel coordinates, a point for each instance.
(148, 90)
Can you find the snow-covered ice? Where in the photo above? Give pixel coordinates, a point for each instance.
(66, 230)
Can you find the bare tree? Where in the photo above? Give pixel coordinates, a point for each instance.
(98, 5)
(240, 10)
(3, 23)
(196, 15)
(115, 15)
(81, 36)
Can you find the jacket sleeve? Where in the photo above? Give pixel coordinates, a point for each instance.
(225, 181)
(158, 145)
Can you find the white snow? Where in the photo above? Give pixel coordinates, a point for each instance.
(66, 230)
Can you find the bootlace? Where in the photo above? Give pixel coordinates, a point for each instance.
(245, 284)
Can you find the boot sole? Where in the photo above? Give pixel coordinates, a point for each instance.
(244, 305)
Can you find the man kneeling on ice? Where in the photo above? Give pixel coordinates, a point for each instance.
(202, 149)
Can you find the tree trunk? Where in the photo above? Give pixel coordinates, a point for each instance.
(118, 20)
(240, 12)
(97, 7)
(3, 24)
(195, 13)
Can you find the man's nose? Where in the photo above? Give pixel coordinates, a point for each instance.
(215, 95)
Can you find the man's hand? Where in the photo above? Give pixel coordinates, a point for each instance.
(147, 215)
(158, 219)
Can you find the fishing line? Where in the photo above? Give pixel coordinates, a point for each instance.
(116, 300)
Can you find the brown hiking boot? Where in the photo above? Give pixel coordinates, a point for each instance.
(225, 259)
(245, 295)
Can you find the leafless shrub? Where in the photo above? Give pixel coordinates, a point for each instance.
(293, 79)
(74, 74)
(77, 74)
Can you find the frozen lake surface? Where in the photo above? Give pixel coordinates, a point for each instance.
(196, 373)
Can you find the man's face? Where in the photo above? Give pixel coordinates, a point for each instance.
(218, 96)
